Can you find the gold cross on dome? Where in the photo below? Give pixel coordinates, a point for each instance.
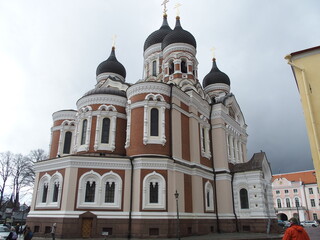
(165, 6)
(177, 7)
(114, 37)
(213, 52)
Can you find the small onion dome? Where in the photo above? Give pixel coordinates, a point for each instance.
(158, 36)
(178, 35)
(215, 76)
(105, 90)
(111, 65)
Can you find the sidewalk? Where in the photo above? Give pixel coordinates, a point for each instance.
(213, 236)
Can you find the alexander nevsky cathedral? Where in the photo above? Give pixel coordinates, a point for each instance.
(165, 156)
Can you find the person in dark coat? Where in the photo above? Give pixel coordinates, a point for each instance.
(28, 234)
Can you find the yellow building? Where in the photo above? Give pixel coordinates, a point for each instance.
(305, 65)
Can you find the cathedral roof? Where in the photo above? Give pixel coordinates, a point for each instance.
(111, 65)
(105, 90)
(255, 163)
(178, 35)
(215, 76)
(159, 35)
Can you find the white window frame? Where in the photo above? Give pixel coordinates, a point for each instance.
(154, 101)
(84, 113)
(66, 126)
(209, 189)
(110, 112)
(111, 176)
(154, 177)
(205, 140)
(91, 177)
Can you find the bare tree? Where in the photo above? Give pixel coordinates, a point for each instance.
(5, 171)
(38, 155)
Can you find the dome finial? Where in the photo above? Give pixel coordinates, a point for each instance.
(165, 7)
(114, 37)
(177, 8)
(213, 53)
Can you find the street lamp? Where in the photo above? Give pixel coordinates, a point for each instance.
(178, 220)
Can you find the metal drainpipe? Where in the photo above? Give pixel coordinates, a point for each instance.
(214, 174)
(131, 192)
(234, 210)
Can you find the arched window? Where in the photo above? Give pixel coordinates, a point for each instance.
(288, 202)
(105, 130)
(44, 193)
(244, 202)
(171, 67)
(67, 143)
(90, 191)
(184, 66)
(109, 194)
(297, 202)
(279, 203)
(209, 197)
(154, 126)
(55, 192)
(154, 68)
(154, 191)
(84, 131)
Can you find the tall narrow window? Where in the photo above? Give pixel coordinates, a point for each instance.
(105, 130)
(171, 67)
(315, 216)
(154, 126)
(67, 143)
(288, 202)
(154, 68)
(154, 189)
(313, 203)
(90, 191)
(84, 131)
(279, 203)
(184, 66)
(244, 198)
(297, 202)
(55, 192)
(203, 140)
(109, 197)
(45, 193)
(208, 199)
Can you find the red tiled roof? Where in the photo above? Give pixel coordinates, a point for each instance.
(307, 177)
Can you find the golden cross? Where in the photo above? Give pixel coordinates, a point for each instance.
(114, 40)
(165, 6)
(213, 52)
(177, 7)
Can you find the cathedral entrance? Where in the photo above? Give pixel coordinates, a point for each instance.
(282, 216)
(86, 227)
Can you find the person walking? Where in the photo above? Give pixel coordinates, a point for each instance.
(12, 235)
(295, 231)
(28, 234)
(53, 231)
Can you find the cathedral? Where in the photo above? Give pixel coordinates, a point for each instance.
(160, 158)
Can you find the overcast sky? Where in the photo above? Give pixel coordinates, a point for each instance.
(49, 52)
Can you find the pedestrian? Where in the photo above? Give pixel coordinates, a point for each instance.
(17, 228)
(53, 231)
(12, 235)
(28, 234)
(295, 231)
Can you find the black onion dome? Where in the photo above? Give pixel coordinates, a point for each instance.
(105, 90)
(215, 76)
(178, 35)
(159, 35)
(111, 65)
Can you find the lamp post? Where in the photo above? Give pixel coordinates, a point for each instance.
(178, 220)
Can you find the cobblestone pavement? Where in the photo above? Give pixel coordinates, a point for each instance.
(314, 232)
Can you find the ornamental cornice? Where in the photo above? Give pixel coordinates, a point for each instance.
(106, 75)
(101, 99)
(184, 47)
(152, 49)
(144, 103)
(217, 86)
(148, 87)
(64, 114)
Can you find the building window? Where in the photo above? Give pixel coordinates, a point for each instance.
(286, 191)
(67, 143)
(55, 192)
(154, 68)
(297, 202)
(45, 193)
(204, 137)
(105, 130)
(310, 191)
(84, 131)
(295, 190)
(110, 190)
(171, 67)
(277, 192)
(184, 66)
(154, 192)
(244, 202)
(279, 203)
(313, 203)
(209, 196)
(315, 216)
(154, 125)
(90, 191)
(288, 202)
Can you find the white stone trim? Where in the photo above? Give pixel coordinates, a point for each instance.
(208, 189)
(64, 114)
(154, 178)
(101, 99)
(148, 87)
(128, 132)
(66, 126)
